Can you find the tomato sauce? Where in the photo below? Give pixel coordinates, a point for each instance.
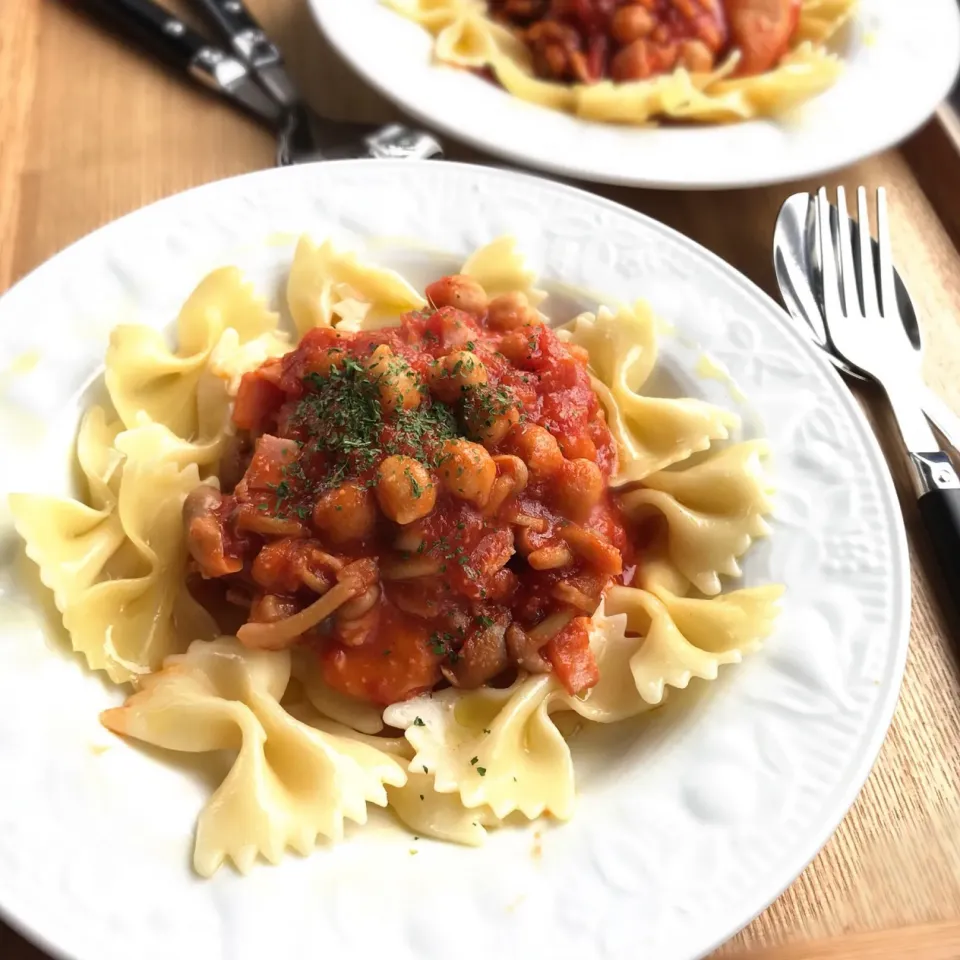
(462, 588)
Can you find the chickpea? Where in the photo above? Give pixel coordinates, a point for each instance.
(398, 384)
(578, 488)
(695, 55)
(458, 291)
(537, 448)
(452, 329)
(346, 513)
(490, 419)
(517, 347)
(405, 490)
(270, 608)
(578, 447)
(642, 59)
(511, 310)
(467, 471)
(631, 23)
(451, 376)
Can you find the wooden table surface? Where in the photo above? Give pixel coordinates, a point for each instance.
(89, 131)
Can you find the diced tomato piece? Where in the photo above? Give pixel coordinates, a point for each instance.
(257, 400)
(761, 30)
(398, 664)
(573, 661)
(272, 457)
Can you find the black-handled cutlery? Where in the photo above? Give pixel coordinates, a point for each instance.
(160, 34)
(249, 43)
(252, 76)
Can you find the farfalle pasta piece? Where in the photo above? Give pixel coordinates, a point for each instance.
(290, 782)
(418, 805)
(139, 612)
(421, 808)
(435, 15)
(116, 571)
(149, 441)
(651, 432)
(494, 752)
(99, 459)
(355, 714)
(803, 73)
(622, 345)
(329, 287)
(714, 510)
(495, 748)
(500, 268)
(70, 541)
(821, 19)
(615, 696)
(680, 94)
(468, 41)
(144, 375)
(680, 638)
(232, 357)
(439, 815)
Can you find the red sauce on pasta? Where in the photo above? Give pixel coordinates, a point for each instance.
(585, 41)
(421, 505)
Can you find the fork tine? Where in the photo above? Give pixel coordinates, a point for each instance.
(830, 292)
(851, 299)
(868, 276)
(888, 291)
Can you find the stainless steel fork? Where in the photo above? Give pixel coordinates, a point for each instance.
(796, 263)
(864, 327)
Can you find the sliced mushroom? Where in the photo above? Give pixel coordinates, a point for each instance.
(524, 650)
(481, 658)
(204, 532)
(269, 608)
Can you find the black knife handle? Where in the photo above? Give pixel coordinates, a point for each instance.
(940, 512)
(152, 28)
(240, 30)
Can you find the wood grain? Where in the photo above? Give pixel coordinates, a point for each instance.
(89, 131)
(935, 941)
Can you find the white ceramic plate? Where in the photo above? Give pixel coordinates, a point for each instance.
(689, 821)
(901, 59)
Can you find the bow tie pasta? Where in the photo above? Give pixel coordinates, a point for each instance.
(175, 388)
(328, 287)
(714, 510)
(500, 751)
(116, 568)
(652, 433)
(433, 516)
(289, 784)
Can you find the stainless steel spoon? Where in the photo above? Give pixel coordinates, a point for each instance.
(796, 262)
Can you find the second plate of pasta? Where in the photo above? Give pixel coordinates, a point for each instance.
(715, 93)
(363, 548)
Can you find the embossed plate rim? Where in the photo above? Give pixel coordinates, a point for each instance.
(168, 246)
